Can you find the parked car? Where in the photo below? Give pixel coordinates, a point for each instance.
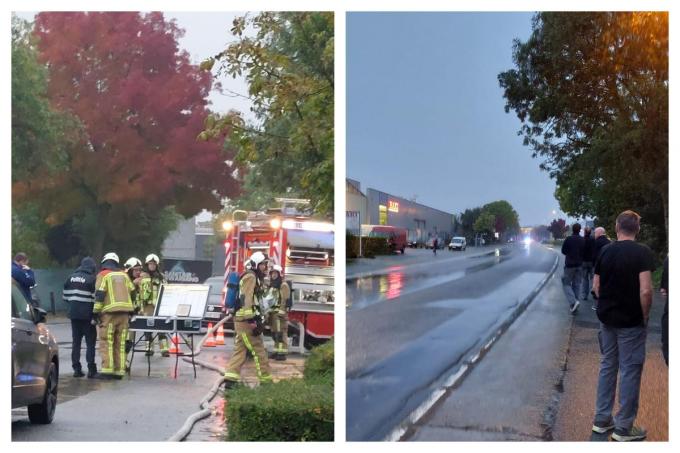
(458, 243)
(214, 310)
(35, 360)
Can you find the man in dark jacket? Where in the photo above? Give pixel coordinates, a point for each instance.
(79, 292)
(588, 263)
(23, 275)
(572, 248)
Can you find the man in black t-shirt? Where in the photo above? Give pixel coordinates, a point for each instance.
(572, 248)
(623, 285)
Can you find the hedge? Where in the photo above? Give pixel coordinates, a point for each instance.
(320, 363)
(370, 247)
(289, 410)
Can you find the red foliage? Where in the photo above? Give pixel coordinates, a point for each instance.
(142, 104)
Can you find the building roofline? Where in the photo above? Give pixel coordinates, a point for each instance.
(410, 201)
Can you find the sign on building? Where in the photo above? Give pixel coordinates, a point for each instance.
(186, 271)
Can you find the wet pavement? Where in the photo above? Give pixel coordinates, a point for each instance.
(509, 395)
(404, 343)
(577, 403)
(139, 407)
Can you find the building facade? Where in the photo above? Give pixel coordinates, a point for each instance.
(380, 208)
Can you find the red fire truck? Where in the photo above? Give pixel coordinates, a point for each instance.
(304, 248)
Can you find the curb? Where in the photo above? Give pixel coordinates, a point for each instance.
(406, 428)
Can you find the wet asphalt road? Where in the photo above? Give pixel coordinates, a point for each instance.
(411, 326)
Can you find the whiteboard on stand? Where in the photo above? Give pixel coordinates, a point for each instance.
(175, 297)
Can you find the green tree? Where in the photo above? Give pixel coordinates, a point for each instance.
(506, 220)
(467, 221)
(591, 91)
(485, 223)
(558, 228)
(288, 65)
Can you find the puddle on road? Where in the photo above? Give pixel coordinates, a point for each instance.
(364, 291)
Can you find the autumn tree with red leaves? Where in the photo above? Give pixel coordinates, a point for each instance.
(141, 104)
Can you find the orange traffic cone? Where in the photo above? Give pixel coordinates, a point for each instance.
(219, 340)
(210, 341)
(174, 349)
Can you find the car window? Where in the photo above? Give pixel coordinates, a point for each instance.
(20, 306)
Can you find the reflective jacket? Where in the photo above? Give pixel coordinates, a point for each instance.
(79, 291)
(113, 292)
(250, 289)
(280, 296)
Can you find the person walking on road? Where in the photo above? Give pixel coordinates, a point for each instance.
(248, 324)
(664, 317)
(279, 291)
(588, 263)
(623, 284)
(79, 297)
(112, 309)
(152, 267)
(435, 244)
(23, 275)
(573, 248)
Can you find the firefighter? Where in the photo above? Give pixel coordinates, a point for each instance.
(155, 279)
(279, 291)
(112, 308)
(248, 323)
(133, 267)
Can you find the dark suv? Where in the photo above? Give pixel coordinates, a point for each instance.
(35, 360)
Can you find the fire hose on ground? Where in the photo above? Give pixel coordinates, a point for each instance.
(205, 402)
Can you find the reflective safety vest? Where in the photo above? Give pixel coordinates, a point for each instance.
(250, 291)
(145, 296)
(113, 293)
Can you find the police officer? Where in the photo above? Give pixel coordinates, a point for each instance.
(155, 280)
(79, 296)
(248, 324)
(112, 308)
(279, 291)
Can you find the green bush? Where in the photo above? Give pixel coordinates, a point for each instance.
(351, 245)
(290, 410)
(370, 247)
(320, 363)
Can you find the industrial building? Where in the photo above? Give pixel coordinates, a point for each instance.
(375, 207)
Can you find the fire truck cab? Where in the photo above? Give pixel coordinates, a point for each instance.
(304, 248)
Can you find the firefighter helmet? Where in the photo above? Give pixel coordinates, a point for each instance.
(133, 262)
(111, 256)
(152, 257)
(276, 268)
(256, 259)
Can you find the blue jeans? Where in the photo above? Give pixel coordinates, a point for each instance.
(622, 352)
(571, 283)
(587, 284)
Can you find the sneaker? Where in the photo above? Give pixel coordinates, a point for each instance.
(627, 435)
(91, 374)
(78, 373)
(593, 307)
(602, 428)
(575, 307)
(165, 354)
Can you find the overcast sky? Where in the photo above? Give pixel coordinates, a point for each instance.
(425, 113)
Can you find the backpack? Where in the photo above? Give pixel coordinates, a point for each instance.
(289, 302)
(232, 300)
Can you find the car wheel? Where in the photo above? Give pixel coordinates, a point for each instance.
(43, 413)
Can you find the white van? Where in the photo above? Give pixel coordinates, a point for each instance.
(458, 243)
